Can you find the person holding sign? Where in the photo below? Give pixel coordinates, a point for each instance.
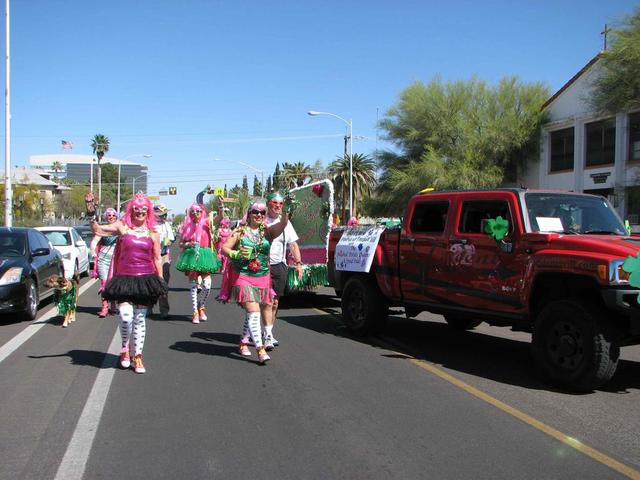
(286, 241)
(248, 250)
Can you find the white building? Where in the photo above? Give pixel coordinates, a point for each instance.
(589, 152)
(78, 168)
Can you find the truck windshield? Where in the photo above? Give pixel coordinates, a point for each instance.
(572, 214)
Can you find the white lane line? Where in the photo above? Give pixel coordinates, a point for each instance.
(75, 458)
(33, 328)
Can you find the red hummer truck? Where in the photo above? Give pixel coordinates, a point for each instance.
(556, 273)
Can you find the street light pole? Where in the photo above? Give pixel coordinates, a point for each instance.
(261, 172)
(350, 124)
(145, 155)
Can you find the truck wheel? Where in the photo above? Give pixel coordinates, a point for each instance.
(570, 345)
(364, 308)
(462, 323)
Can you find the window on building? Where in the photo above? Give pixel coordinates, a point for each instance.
(601, 141)
(561, 150)
(632, 196)
(634, 137)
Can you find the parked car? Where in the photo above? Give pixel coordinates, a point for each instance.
(74, 250)
(27, 259)
(87, 235)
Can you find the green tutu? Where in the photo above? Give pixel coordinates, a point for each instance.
(202, 260)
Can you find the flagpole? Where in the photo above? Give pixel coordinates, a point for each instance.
(8, 196)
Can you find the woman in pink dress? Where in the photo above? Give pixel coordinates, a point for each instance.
(136, 280)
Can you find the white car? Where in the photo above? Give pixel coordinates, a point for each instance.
(74, 250)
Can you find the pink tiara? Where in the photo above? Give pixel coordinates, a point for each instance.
(140, 197)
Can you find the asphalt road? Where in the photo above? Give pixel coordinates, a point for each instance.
(418, 401)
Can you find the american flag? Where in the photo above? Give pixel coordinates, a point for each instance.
(67, 144)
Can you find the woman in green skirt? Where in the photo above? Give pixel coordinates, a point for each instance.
(199, 258)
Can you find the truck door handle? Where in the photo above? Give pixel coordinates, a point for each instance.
(409, 240)
(458, 241)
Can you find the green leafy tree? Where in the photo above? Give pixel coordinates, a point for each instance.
(277, 177)
(458, 135)
(318, 172)
(295, 174)
(257, 186)
(268, 186)
(364, 179)
(245, 183)
(617, 86)
(70, 204)
(100, 147)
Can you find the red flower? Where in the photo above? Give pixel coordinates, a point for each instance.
(318, 189)
(254, 265)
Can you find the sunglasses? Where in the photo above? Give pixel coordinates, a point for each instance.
(276, 204)
(196, 211)
(258, 212)
(111, 215)
(140, 209)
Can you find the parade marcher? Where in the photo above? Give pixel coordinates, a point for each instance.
(198, 260)
(103, 248)
(167, 237)
(286, 241)
(248, 251)
(136, 280)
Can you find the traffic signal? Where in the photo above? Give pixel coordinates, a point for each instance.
(173, 190)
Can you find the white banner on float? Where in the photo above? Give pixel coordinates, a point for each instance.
(356, 248)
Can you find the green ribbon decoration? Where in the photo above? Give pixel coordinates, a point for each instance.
(632, 265)
(315, 275)
(497, 228)
(627, 227)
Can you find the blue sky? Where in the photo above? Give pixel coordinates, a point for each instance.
(193, 81)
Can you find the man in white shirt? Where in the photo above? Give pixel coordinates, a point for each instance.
(278, 263)
(167, 237)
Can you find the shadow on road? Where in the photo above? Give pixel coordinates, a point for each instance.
(499, 359)
(230, 350)
(90, 358)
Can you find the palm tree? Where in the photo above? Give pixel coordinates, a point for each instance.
(364, 179)
(295, 174)
(100, 146)
(56, 167)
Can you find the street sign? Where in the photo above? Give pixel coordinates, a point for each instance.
(163, 193)
(173, 190)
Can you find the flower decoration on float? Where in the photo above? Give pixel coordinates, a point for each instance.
(290, 202)
(318, 189)
(497, 228)
(632, 266)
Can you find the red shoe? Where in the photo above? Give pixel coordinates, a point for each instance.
(263, 357)
(244, 350)
(105, 309)
(125, 359)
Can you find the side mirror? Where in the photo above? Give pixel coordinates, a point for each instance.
(81, 243)
(505, 247)
(41, 252)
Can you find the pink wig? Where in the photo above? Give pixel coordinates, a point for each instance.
(192, 231)
(139, 200)
(254, 206)
(109, 211)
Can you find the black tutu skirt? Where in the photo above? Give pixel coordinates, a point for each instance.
(139, 290)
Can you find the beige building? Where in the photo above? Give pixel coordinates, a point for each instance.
(585, 151)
